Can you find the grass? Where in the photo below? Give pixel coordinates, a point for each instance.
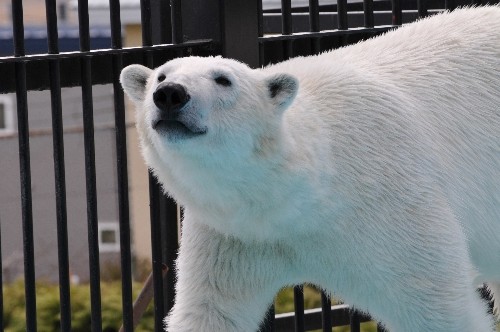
(48, 315)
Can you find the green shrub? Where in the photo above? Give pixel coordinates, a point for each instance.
(14, 307)
(284, 300)
(48, 311)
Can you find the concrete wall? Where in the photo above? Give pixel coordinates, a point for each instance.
(42, 169)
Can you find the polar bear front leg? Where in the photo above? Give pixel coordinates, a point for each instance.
(223, 283)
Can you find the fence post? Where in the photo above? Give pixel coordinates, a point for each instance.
(232, 24)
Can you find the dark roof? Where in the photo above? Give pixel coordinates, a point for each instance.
(35, 39)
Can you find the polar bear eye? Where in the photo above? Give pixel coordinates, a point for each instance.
(161, 77)
(223, 80)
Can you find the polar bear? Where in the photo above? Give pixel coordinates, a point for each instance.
(372, 171)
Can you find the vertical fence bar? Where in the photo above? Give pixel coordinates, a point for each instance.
(313, 15)
(147, 38)
(314, 25)
(154, 193)
(1, 280)
(115, 21)
(18, 28)
(355, 322)
(25, 167)
(298, 300)
(166, 10)
(286, 27)
(52, 35)
(369, 20)
(343, 24)
(450, 4)
(90, 172)
(326, 312)
(123, 198)
(83, 25)
(122, 169)
(260, 31)
(90, 175)
(286, 17)
(422, 8)
(169, 236)
(169, 222)
(60, 183)
(59, 167)
(26, 196)
(154, 210)
(176, 19)
(397, 14)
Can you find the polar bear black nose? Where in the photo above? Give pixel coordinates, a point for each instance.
(170, 96)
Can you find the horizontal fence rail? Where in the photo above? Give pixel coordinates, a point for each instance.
(38, 65)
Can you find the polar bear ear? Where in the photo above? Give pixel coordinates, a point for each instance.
(282, 89)
(133, 79)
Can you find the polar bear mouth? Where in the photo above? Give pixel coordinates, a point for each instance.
(176, 129)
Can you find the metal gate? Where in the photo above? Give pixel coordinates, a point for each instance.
(238, 29)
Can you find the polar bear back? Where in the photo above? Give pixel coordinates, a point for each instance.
(436, 82)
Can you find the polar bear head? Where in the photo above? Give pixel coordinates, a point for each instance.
(207, 125)
(207, 106)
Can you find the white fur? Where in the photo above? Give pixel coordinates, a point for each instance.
(376, 177)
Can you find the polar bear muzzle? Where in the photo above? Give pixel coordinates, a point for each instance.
(170, 97)
(171, 118)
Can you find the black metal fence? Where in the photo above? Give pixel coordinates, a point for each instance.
(239, 29)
